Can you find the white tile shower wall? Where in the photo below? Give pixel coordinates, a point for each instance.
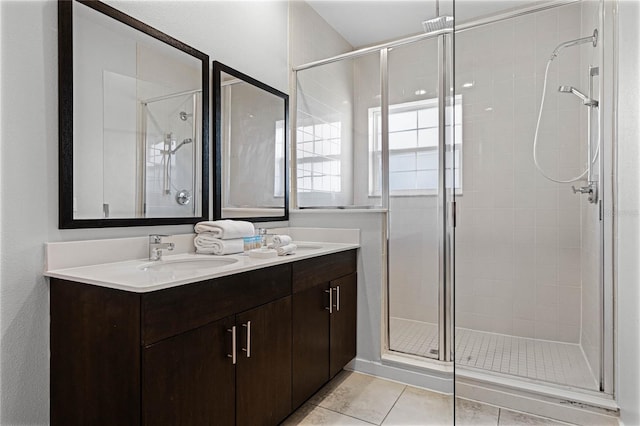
(518, 237)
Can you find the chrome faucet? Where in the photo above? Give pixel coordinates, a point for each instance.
(156, 245)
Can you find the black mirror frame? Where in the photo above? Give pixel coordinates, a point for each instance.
(218, 68)
(65, 119)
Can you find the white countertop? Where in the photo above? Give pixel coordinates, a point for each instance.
(130, 275)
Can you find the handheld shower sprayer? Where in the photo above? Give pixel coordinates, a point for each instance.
(585, 99)
(591, 103)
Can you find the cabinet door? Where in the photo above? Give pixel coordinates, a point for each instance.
(263, 374)
(189, 379)
(343, 322)
(310, 342)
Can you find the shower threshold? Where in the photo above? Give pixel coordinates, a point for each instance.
(535, 359)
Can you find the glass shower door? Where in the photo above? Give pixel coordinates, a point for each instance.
(420, 177)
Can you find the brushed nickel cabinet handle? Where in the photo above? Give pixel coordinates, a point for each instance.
(337, 298)
(330, 308)
(248, 348)
(232, 355)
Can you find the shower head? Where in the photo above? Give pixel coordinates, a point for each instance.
(438, 24)
(184, 115)
(184, 142)
(585, 99)
(593, 39)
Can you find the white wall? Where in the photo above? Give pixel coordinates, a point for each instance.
(628, 216)
(251, 37)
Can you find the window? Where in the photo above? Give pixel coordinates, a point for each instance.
(318, 155)
(413, 148)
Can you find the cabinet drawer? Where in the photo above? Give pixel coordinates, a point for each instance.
(307, 273)
(166, 313)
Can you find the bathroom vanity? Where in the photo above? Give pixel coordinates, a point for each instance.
(246, 345)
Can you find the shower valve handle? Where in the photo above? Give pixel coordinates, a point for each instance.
(591, 189)
(582, 189)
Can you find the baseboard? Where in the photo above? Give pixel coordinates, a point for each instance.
(434, 380)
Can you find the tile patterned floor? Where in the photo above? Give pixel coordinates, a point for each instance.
(555, 362)
(358, 399)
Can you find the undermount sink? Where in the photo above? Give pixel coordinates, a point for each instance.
(187, 264)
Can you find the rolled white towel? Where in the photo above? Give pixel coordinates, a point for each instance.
(226, 229)
(288, 249)
(206, 243)
(280, 240)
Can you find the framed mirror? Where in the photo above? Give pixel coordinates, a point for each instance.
(251, 132)
(133, 122)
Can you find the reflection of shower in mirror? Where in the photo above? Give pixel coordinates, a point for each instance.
(169, 147)
(184, 142)
(169, 141)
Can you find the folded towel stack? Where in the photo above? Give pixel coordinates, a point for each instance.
(280, 240)
(282, 244)
(286, 249)
(222, 236)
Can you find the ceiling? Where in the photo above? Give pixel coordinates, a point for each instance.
(367, 22)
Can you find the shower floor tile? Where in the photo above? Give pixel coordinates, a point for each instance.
(555, 362)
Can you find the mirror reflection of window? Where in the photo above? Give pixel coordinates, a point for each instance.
(319, 160)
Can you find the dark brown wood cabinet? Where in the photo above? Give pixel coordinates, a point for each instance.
(310, 342)
(324, 321)
(263, 373)
(342, 346)
(188, 379)
(167, 357)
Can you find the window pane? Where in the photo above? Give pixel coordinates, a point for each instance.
(402, 162)
(335, 131)
(428, 117)
(428, 137)
(326, 147)
(458, 134)
(335, 183)
(403, 140)
(335, 168)
(402, 180)
(428, 160)
(402, 121)
(447, 158)
(335, 148)
(427, 179)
